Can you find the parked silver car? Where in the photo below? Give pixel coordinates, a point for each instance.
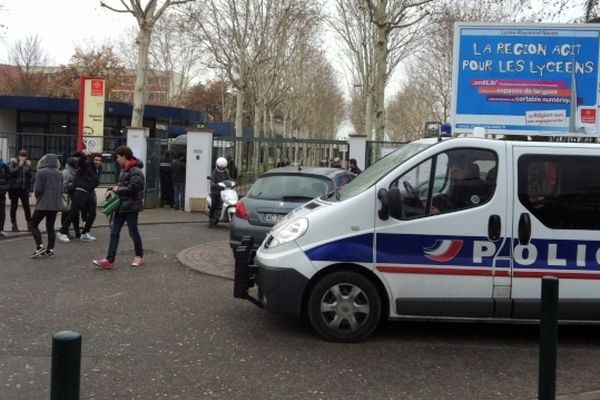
(276, 193)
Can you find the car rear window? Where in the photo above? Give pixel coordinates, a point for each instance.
(289, 187)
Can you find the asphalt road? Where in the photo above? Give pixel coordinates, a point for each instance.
(164, 332)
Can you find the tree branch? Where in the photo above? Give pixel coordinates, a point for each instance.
(127, 9)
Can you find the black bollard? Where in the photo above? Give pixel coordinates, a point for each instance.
(548, 338)
(66, 366)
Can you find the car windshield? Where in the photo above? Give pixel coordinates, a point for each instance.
(286, 187)
(381, 168)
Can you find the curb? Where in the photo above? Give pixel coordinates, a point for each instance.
(20, 234)
(593, 395)
(209, 258)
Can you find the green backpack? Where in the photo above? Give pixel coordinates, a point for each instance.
(111, 204)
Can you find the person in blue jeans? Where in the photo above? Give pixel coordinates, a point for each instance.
(131, 191)
(178, 179)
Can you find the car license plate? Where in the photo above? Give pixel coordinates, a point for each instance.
(274, 218)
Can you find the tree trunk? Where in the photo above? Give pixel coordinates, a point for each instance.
(256, 122)
(272, 122)
(380, 80)
(369, 116)
(239, 111)
(139, 95)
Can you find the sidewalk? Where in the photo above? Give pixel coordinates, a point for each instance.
(213, 258)
(164, 215)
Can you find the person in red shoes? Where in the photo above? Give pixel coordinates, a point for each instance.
(131, 191)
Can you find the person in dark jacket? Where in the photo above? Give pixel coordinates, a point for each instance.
(48, 194)
(353, 167)
(218, 175)
(4, 185)
(21, 188)
(85, 182)
(68, 174)
(166, 186)
(178, 179)
(88, 213)
(131, 191)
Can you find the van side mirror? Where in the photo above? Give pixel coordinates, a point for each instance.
(384, 211)
(395, 203)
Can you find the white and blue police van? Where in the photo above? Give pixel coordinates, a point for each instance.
(463, 228)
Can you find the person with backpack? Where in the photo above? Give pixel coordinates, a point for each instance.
(84, 183)
(68, 174)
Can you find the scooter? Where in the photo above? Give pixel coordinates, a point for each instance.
(229, 199)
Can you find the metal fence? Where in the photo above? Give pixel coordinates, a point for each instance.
(248, 157)
(38, 144)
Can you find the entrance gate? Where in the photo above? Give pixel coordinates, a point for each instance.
(153, 154)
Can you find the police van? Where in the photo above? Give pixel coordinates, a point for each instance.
(463, 228)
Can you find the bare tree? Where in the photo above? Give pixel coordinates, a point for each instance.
(174, 51)
(352, 25)
(229, 29)
(289, 25)
(92, 61)
(212, 98)
(314, 104)
(146, 17)
(591, 11)
(396, 23)
(25, 74)
(410, 108)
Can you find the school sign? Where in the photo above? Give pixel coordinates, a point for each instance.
(538, 79)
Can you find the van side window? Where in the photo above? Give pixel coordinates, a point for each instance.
(450, 181)
(562, 192)
(415, 190)
(471, 176)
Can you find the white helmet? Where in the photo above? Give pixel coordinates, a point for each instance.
(221, 163)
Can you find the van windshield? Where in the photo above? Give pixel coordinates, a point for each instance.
(381, 168)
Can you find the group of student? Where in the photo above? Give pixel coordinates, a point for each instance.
(72, 192)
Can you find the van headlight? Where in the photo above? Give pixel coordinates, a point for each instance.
(289, 232)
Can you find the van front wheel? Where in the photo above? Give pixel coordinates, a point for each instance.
(344, 306)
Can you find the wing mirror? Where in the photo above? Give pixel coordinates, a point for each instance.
(395, 203)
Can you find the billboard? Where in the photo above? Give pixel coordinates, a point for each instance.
(536, 79)
(91, 114)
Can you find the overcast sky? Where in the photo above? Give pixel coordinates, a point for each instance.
(60, 24)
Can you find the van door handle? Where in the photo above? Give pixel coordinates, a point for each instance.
(494, 227)
(524, 229)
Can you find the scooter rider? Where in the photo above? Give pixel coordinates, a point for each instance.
(218, 175)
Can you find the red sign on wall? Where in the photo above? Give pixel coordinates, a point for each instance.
(97, 87)
(588, 116)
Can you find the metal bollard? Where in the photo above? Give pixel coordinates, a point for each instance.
(548, 339)
(66, 366)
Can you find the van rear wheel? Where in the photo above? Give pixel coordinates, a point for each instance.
(344, 306)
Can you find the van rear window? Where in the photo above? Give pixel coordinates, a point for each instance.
(563, 192)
